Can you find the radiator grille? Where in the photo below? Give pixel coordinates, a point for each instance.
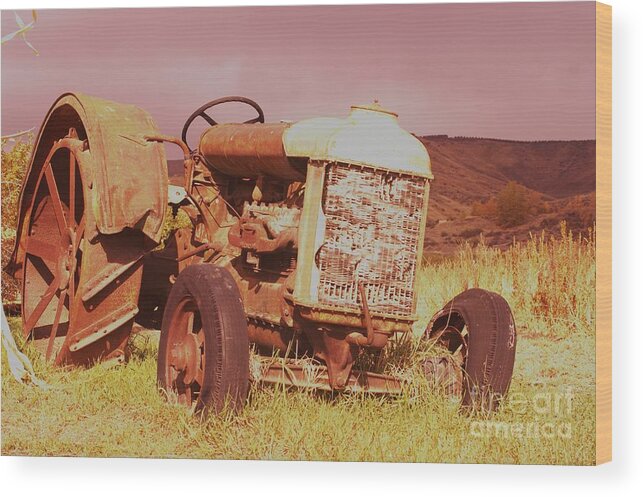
(373, 221)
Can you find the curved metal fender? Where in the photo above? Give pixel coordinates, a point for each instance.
(127, 175)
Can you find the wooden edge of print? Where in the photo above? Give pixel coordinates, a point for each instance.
(603, 233)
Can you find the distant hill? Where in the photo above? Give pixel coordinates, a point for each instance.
(469, 170)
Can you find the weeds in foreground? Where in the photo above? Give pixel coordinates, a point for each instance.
(547, 418)
(119, 412)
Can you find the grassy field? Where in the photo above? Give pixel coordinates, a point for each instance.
(547, 418)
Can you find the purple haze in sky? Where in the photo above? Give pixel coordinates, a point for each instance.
(516, 71)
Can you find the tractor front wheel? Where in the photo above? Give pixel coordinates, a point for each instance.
(478, 332)
(204, 350)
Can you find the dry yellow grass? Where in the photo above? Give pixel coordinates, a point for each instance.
(548, 417)
(549, 282)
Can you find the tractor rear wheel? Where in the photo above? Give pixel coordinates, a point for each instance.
(76, 291)
(204, 348)
(477, 330)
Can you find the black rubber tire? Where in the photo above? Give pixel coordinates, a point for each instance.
(226, 378)
(490, 344)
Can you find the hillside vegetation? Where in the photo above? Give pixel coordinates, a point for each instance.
(553, 180)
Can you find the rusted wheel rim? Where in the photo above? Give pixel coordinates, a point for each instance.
(185, 354)
(54, 246)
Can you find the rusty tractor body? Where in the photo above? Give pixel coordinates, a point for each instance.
(304, 239)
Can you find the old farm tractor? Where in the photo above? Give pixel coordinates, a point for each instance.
(303, 239)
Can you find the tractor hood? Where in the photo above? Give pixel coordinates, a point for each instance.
(370, 135)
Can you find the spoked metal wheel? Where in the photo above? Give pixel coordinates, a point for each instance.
(54, 247)
(77, 292)
(185, 353)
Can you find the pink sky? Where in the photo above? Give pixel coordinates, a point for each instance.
(517, 71)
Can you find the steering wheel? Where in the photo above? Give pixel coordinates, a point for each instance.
(200, 112)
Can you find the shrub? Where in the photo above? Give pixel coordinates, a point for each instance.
(14, 166)
(512, 206)
(488, 209)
